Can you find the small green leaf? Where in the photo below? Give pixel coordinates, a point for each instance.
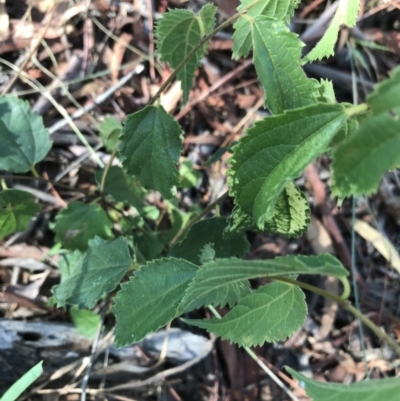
(189, 175)
(24, 139)
(150, 299)
(79, 223)
(275, 151)
(280, 10)
(386, 94)
(110, 129)
(209, 231)
(16, 211)
(86, 322)
(101, 270)
(217, 156)
(367, 390)
(13, 393)
(68, 262)
(122, 187)
(346, 14)
(151, 142)
(271, 313)
(216, 276)
(177, 33)
(359, 163)
(326, 92)
(290, 218)
(276, 56)
(207, 254)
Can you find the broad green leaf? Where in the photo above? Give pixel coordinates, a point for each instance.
(346, 14)
(151, 142)
(275, 151)
(150, 299)
(110, 129)
(68, 262)
(85, 321)
(386, 94)
(16, 211)
(280, 10)
(177, 33)
(178, 218)
(122, 187)
(24, 139)
(189, 175)
(276, 56)
(209, 231)
(13, 393)
(290, 218)
(271, 313)
(99, 273)
(359, 163)
(221, 273)
(149, 244)
(79, 223)
(367, 390)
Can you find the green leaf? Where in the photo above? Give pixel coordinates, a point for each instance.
(177, 33)
(101, 270)
(280, 10)
(368, 390)
(68, 262)
(290, 218)
(271, 313)
(207, 254)
(359, 163)
(221, 273)
(151, 142)
(326, 92)
(275, 151)
(24, 139)
(209, 231)
(150, 299)
(110, 129)
(23, 383)
(189, 175)
(16, 210)
(122, 187)
(79, 223)
(346, 14)
(276, 56)
(386, 94)
(86, 322)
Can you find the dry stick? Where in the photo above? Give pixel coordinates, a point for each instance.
(260, 363)
(31, 53)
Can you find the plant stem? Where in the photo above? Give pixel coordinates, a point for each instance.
(196, 219)
(351, 111)
(107, 168)
(34, 172)
(260, 363)
(346, 305)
